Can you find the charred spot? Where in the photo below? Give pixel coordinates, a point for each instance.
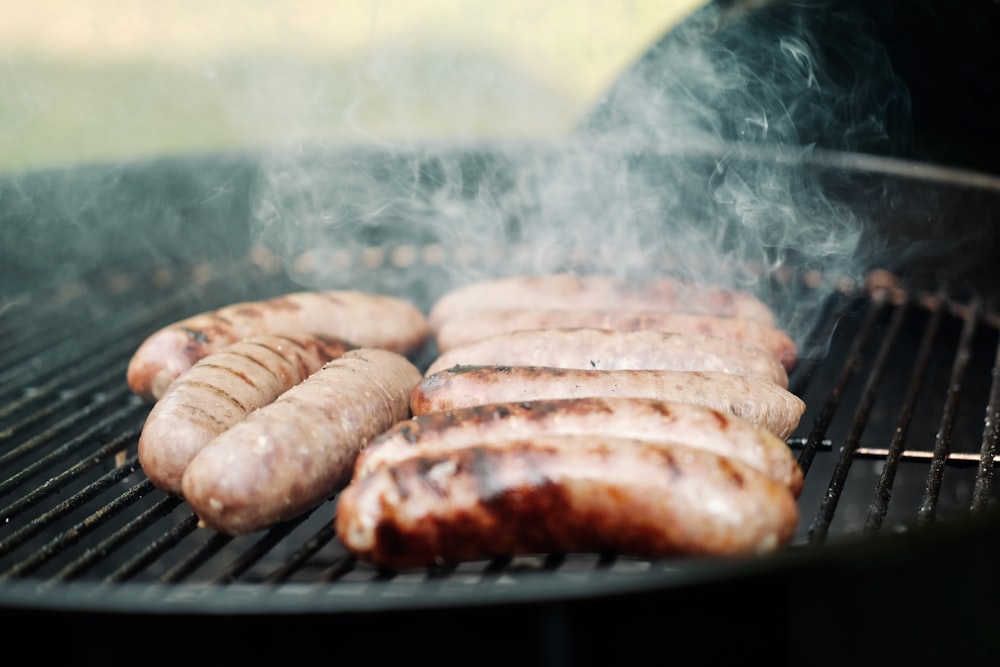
(459, 369)
(729, 470)
(220, 392)
(254, 360)
(392, 542)
(409, 432)
(196, 335)
(539, 410)
(399, 481)
(721, 419)
(663, 409)
(425, 467)
(501, 411)
(670, 463)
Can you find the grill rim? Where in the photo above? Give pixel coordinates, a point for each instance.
(935, 548)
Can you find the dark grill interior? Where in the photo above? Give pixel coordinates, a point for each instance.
(900, 431)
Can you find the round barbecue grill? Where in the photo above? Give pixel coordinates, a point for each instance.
(900, 371)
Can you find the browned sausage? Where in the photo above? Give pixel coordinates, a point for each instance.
(220, 390)
(640, 418)
(366, 320)
(762, 403)
(464, 329)
(603, 349)
(602, 292)
(290, 455)
(564, 494)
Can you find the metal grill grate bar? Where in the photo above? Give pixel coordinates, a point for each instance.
(54, 407)
(942, 445)
(259, 549)
(883, 490)
(156, 549)
(57, 482)
(196, 559)
(322, 537)
(108, 546)
(832, 402)
(821, 524)
(81, 529)
(991, 430)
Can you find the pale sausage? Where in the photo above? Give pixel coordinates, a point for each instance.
(221, 390)
(290, 455)
(363, 319)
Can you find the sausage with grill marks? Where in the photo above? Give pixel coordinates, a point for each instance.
(640, 418)
(603, 292)
(364, 319)
(220, 390)
(760, 402)
(602, 349)
(463, 329)
(564, 494)
(289, 456)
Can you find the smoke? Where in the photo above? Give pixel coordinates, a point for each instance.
(701, 161)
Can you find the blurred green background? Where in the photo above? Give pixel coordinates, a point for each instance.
(109, 80)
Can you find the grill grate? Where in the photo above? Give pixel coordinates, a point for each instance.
(901, 431)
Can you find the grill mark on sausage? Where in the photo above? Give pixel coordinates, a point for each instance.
(243, 354)
(221, 393)
(530, 497)
(720, 418)
(732, 474)
(219, 318)
(333, 298)
(671, 464)
(202, 417)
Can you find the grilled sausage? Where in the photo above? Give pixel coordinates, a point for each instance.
(464, 329)
(762, 403)
(602, 349)
(640, 418)
(564, 494)
(221, 390)
(290, 455)
(603, 292)
(366, 320)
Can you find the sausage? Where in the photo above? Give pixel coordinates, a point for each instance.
(289, 456)
(640, 418)
(564, 494)
(603, 292)
(219, 391)
(464, 329)
(366, 320)
(762, 403)
(603, 349)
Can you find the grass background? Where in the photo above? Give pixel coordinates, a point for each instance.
(106, 80)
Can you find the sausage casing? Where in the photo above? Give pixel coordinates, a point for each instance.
(220, 390)
(290, 455)
(599, 291)
(363, 319)
(603, 349)
(563, 494)
(463, 329)
(762, 403)
(639, 418)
